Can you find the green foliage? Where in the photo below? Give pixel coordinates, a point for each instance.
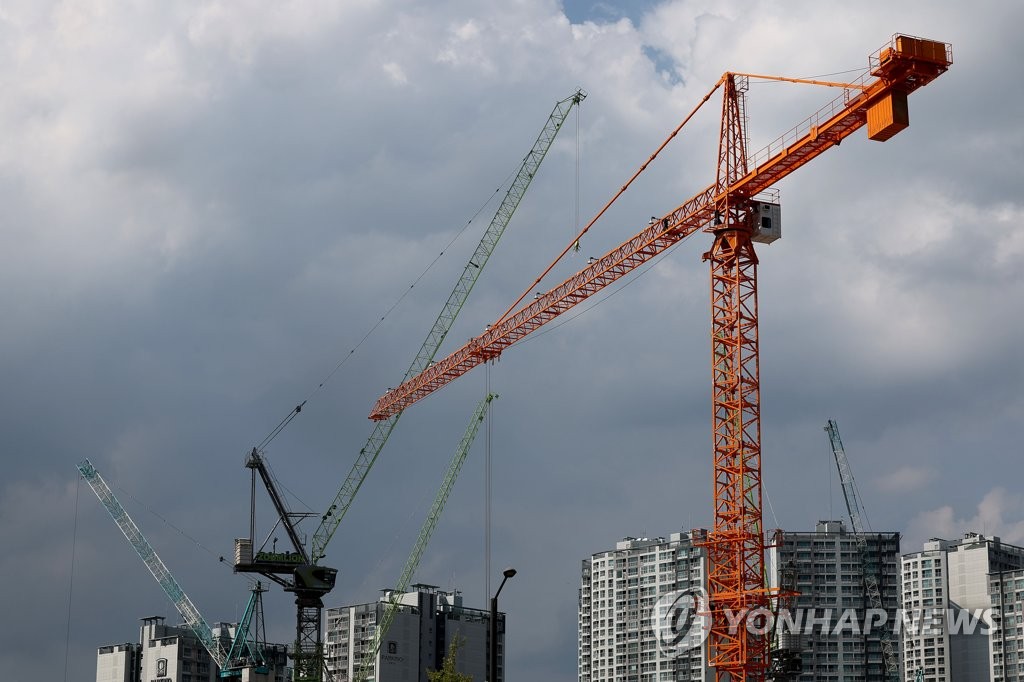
(447, 673)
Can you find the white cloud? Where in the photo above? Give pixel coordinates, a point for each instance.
(906, 479)
(466, 48)
(914, 277)
(395, 73)
(999, 513)
(243, 29)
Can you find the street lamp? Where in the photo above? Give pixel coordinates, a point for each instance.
(493, 668)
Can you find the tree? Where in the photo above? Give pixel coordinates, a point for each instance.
(448, 673)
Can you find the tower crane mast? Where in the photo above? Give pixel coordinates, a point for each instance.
(292, 570)
(853, 507)
(728, 209)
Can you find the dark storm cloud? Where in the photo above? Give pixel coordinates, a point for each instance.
(207, 206)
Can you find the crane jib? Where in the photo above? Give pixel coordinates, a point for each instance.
(895, 70)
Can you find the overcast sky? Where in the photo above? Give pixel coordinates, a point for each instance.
(206, 206)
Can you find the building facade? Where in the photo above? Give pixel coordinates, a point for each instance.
(829, 627)
(119, 663)
(173, 653)
(427, 621)
(167, 653)
(619, 596)
(1006, 641)
(946, 587)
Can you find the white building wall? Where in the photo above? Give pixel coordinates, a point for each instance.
(618, 591)
(925, 590)
(118, 663)
(168, 653)
(962, 589)
(338, 641)
(1006, 644)
(968, 589)
(173, 654)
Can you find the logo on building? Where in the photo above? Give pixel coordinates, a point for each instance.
(161, 667)
(680, 620)
(391, 656)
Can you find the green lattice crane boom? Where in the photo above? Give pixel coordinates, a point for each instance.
(853, 507)
(308, 652)
(429, 524)
(191, 615)
(383, 428)
(250, 641)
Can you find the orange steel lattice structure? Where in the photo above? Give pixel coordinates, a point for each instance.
(724, 209)
(735, 546)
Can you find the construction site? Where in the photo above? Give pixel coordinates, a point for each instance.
(740, 208)
(601, 472)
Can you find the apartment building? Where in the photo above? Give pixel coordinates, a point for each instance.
(832, 609)
(427, 621)
(946, 587)
(623, 595)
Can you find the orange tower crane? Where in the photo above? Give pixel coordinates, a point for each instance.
(732, 211)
